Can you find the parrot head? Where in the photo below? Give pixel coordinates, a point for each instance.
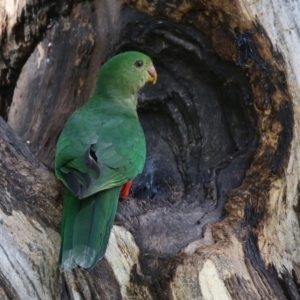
(135, 69)
(139, 66)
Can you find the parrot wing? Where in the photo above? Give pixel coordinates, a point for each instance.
(90, 160)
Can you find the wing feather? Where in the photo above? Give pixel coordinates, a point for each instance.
(107, 150)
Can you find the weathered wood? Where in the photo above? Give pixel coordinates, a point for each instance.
(220, 215)
(30, 210)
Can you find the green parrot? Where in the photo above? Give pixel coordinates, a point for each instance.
(101, 148)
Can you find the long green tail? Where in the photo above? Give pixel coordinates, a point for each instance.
(85, 228)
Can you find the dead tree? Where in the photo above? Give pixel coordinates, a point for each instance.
(215, 213)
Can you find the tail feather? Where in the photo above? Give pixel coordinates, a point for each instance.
(70, 210)
(86, 227)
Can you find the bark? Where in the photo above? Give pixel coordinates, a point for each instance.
(217, 215)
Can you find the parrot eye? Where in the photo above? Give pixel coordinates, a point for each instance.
(138, 63)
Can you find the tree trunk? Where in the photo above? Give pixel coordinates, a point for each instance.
(215, 213)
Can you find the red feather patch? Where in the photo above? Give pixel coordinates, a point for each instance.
(126, 189)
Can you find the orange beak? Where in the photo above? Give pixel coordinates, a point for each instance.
(152, 75)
